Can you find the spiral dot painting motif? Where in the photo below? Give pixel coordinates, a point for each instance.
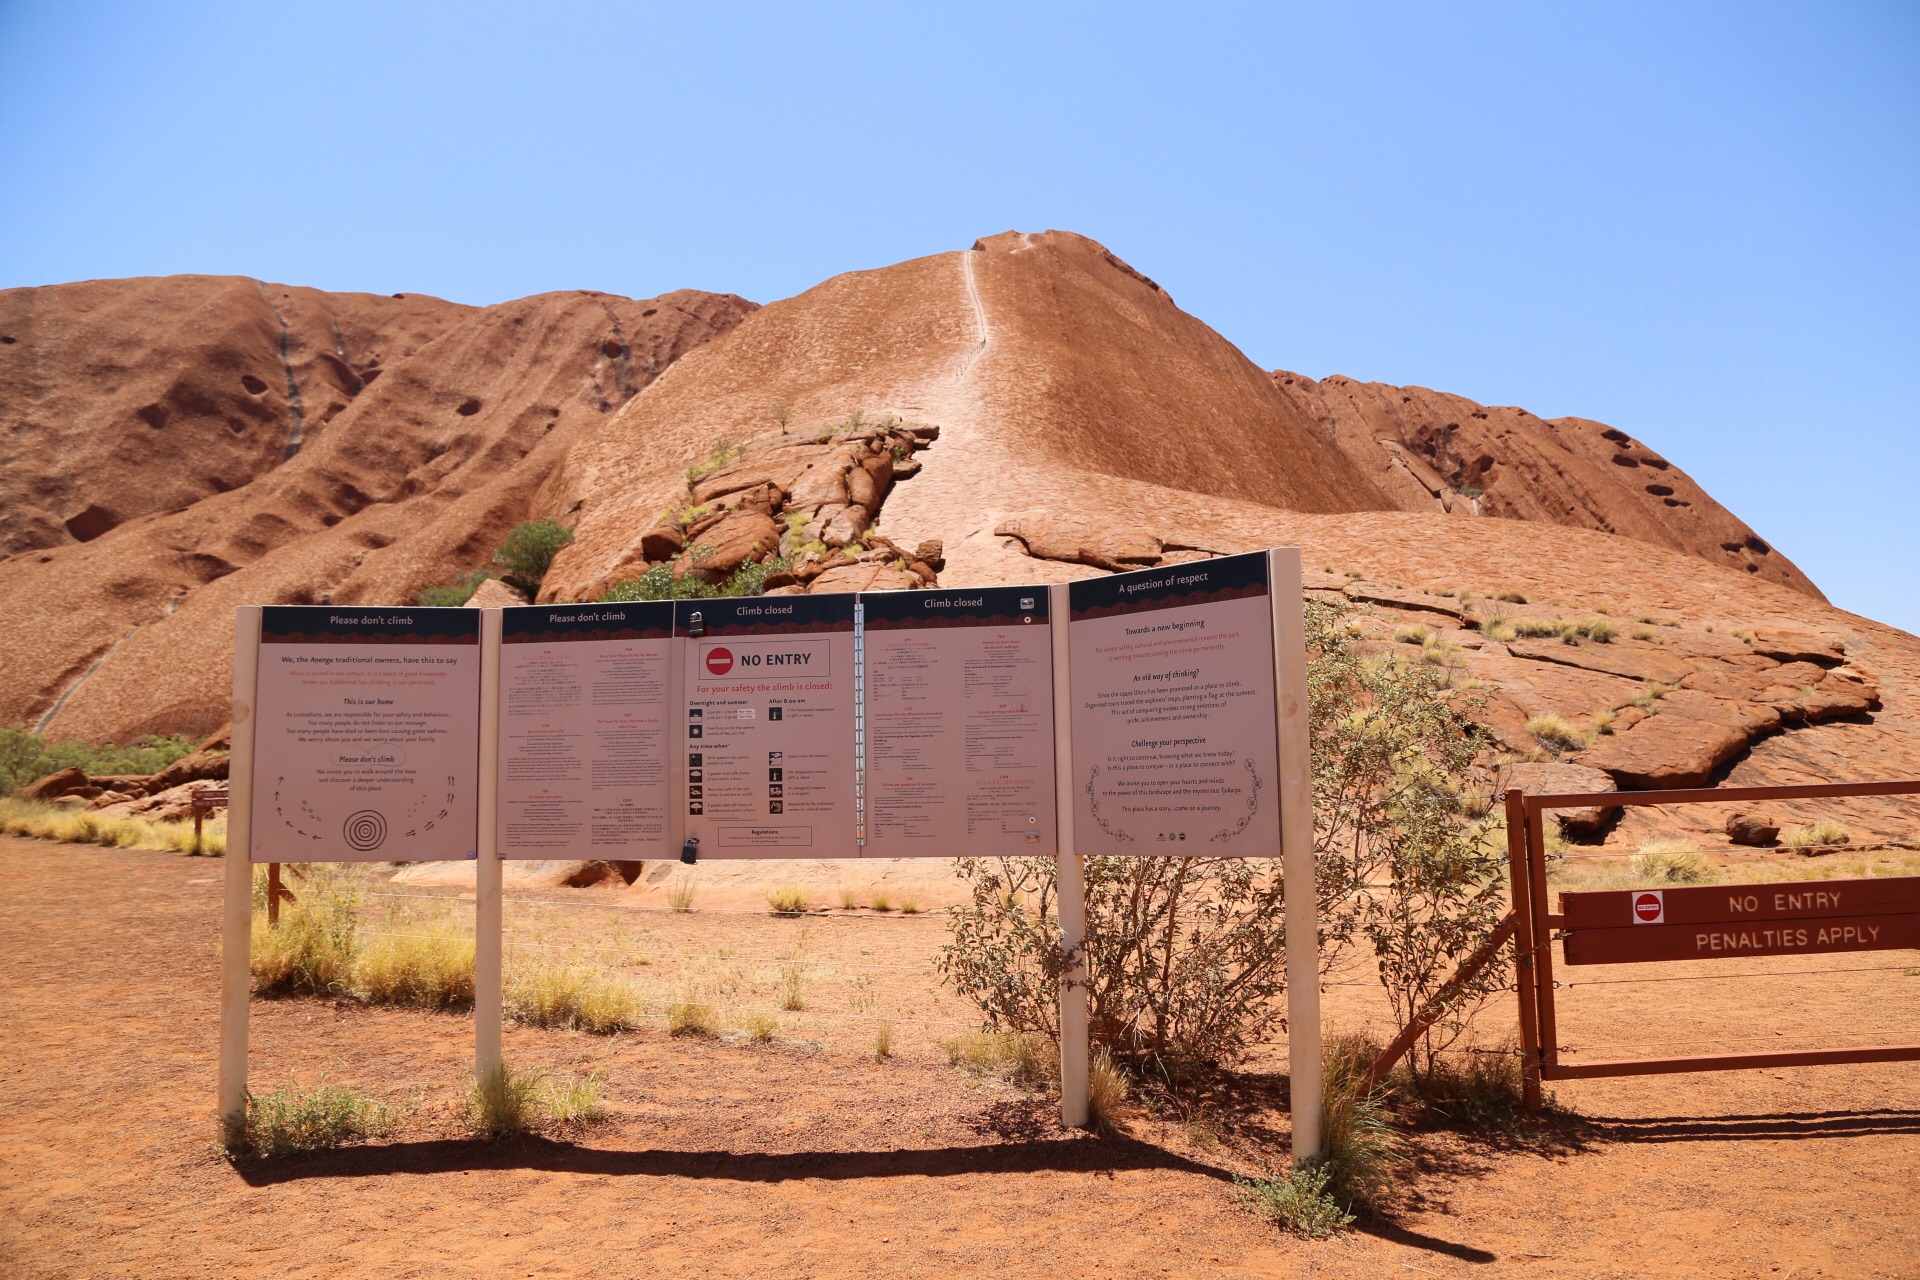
(366, 830)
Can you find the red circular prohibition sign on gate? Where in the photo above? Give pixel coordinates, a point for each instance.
(719, 661)
(1647, 906)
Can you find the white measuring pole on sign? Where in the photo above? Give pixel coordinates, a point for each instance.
(487, 906)
(236, 936)
(1286, 587)
(1070, 880)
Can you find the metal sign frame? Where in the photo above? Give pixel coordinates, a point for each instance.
(1535, 926)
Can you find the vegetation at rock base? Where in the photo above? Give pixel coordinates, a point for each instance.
(528, 553)
(28, 757)
(454, 594)
(660, 583)
(1186, 957)
(523, 560)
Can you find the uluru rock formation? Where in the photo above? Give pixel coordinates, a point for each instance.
(1033, 409)
(409, 460)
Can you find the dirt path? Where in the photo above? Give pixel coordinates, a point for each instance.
(807, 1158)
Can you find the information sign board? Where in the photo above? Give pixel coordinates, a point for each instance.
(767, 739)
(366, 742)
(585, 713)
(959, 723)
(1174, 734)
(1716, 922)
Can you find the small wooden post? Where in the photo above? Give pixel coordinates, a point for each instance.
(237, 925)
(199, 815)
(1070, 880)
(1286, 588)
(273, 893)
(487, 905)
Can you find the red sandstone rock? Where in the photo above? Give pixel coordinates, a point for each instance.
(1566, 779)
(1752, 829)
(1667, 751)
(65, 782)
(1112, 546)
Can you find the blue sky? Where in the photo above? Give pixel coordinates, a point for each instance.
(1694, 221)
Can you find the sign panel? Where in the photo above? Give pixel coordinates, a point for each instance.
(767, 732)
(585, 715)
(1727, 940)
(959, 723)
(367, 743)
(1738, 903)
(1174, 735)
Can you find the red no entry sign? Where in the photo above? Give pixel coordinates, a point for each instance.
(719, 660)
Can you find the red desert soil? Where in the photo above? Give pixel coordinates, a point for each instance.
(807, 1158)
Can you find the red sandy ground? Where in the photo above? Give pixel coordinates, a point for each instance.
(807, 1158)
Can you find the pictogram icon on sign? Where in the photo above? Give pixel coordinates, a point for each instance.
(719, 661)
(1650, 907)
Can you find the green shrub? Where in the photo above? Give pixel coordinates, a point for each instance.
(290, 1120)
(1362, 1149)
(1301, 1204)
(528, 553)
(660, 583)
(28, 757)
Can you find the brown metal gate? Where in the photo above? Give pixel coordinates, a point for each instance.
(1535, 925)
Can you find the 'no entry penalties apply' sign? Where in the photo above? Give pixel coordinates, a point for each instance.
(1716, 923)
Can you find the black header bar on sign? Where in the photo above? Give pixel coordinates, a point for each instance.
(1172, 586)
(557, 623)
(766, 615)
(343, 624)
(981, 607)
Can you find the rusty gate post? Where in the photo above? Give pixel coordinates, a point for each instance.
(1523, 950)
(273, 893)
(1549, 1023)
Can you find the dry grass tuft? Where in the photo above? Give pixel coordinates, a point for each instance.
(1415, 634)
(1107, 1088)
(759, 1025)
(883, 1042)
(1026, 1060)
(314, 949)
(680, 894)
(909, 906)
(505, 1102)
(881, 902)
(691, 1016)
(1827, 832)
(570, 994)
(432, 969)
(788, 900)
(1558, 733)
(1672, 862)
(574, 1099)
